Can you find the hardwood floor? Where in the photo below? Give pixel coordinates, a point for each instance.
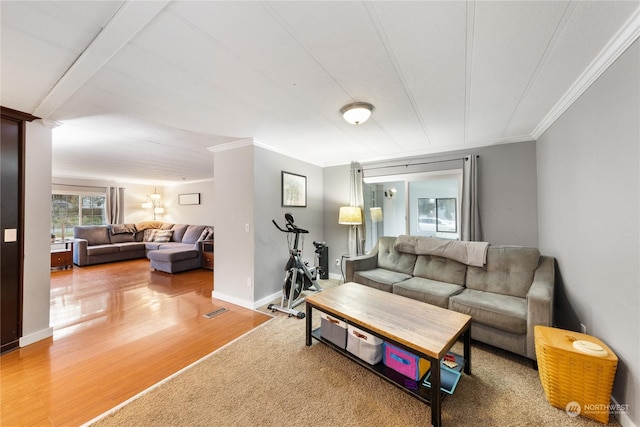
(118, 329)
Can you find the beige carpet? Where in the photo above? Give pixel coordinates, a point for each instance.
(270, 378)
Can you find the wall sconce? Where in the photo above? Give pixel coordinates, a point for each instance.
(153, 202)
(390, 194)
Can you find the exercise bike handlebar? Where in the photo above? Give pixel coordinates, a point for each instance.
(291, 228)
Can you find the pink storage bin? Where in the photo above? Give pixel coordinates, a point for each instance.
(404, 362)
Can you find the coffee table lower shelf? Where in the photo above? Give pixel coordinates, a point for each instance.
(414, 388)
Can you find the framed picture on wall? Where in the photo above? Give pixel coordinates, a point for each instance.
(189, 199)
(294, 190)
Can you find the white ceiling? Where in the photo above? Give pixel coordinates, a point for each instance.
(142, 90)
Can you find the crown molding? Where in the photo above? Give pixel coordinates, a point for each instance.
(246, 142)
(627, 34)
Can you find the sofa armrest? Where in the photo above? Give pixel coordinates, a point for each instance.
(80, 251)
(361, 263)
(540, 300)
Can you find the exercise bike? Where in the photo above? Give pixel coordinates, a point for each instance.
(298, 277)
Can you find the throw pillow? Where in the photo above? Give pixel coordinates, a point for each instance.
(163, 236)
(149, 234)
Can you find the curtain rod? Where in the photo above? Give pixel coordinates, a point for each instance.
(85, 186)
(415, 164)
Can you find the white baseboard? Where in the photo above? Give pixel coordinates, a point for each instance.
(35, 337)
(622, 416)
(335, 276)
(267, 299)
(233, 300)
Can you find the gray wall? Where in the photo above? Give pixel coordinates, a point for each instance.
(508, 194)
(271, 250)
(249, 265)
(589, 212)
(336, 194)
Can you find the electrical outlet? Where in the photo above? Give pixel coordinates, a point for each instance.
(583, 328)
(248, 282)
(337, 263)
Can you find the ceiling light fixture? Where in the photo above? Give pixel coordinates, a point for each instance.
(357, 112)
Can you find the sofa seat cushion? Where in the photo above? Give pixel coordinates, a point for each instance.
(152, 246)
(504, 312)
(176, 245)
(380, 278)
(426, 290)
(102, 249)
(172, 255)
(130, 246)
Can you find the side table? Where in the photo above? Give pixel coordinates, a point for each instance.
(207, 255)
(576, 371)
(62, 254)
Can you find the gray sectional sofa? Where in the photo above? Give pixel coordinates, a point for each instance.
(177, 245)
(507, 290)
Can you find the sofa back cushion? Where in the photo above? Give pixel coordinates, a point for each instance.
(123, 237)
(440, 269)
(509, 271)
(390, 259)
(93, 234)
(193, 233)
(178, 231)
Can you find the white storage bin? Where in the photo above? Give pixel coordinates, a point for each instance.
(364, 345)
(333, 330)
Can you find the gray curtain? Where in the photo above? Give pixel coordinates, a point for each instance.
(470, 224)
(357, 234)
(115, 205)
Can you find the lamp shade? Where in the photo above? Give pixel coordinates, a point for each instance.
(154, 195)
(147, 205)
(158, 210)
(376, 214)
(350, 215)
(356, 113)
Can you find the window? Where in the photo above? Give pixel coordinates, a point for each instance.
(69, 210)
(421, 204)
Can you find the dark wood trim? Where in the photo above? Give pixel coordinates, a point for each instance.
(10, 113)
(20, 118)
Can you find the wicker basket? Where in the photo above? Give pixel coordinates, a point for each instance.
(571, 375)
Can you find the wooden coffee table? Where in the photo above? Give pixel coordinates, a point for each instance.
(422, 329)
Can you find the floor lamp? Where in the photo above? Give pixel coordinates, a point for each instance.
(351, 215)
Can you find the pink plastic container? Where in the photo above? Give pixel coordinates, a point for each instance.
(407, 364)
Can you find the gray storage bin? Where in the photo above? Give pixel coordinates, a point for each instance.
(333, 330)
(364, 345)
